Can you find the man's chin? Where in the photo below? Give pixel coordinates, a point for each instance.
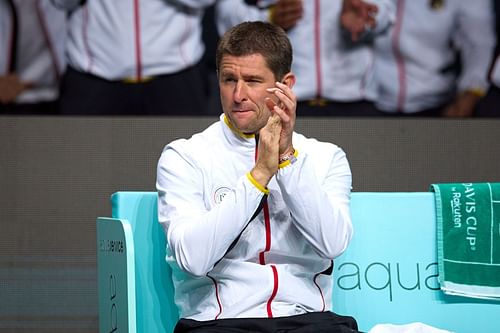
(243, 120)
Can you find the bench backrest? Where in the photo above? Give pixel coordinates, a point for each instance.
(387, 275)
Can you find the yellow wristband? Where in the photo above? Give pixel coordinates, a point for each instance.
(257, 184)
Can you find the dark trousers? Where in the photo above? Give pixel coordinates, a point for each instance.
(41, 108)
(489, 105)
(315, 322)
(326, 108)
(183, 93)
(428, 113)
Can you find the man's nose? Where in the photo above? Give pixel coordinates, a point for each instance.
(240, 92)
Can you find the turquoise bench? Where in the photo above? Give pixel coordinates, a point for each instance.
(387, 275)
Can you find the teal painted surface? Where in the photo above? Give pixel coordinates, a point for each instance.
(155, 308)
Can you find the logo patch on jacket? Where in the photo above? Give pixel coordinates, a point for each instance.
(220, 193)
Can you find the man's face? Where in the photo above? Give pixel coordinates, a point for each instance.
(243, 82)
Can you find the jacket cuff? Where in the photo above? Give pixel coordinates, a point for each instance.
(255, 183)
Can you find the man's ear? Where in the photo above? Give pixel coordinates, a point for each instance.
(289, 79)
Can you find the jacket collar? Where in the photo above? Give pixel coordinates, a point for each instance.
(234, 136)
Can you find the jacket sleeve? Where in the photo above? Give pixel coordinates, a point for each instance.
(317, 192)
(476, 40)
(198, 237)
(386, 15)
(495, 71)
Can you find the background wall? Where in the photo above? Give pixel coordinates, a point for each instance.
(57, 173)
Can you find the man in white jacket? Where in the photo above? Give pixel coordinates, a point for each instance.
(254, 213)
(416, 70)
(32, 40)
(138, 57)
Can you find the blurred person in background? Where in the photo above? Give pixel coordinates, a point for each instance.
(435, 58)
(32, 39)
(139, 57)
(489, 105)
(332, 48)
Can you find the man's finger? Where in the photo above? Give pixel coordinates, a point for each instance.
(270, 104)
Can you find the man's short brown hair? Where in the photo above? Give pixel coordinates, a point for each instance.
(258, 37)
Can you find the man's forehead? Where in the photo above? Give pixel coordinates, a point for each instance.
(253, 63)
(256, 58)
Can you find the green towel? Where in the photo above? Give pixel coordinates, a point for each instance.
(468, 236)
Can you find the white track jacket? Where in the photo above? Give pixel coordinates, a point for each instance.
(413, 61)
(236, 251)
(121, 39)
